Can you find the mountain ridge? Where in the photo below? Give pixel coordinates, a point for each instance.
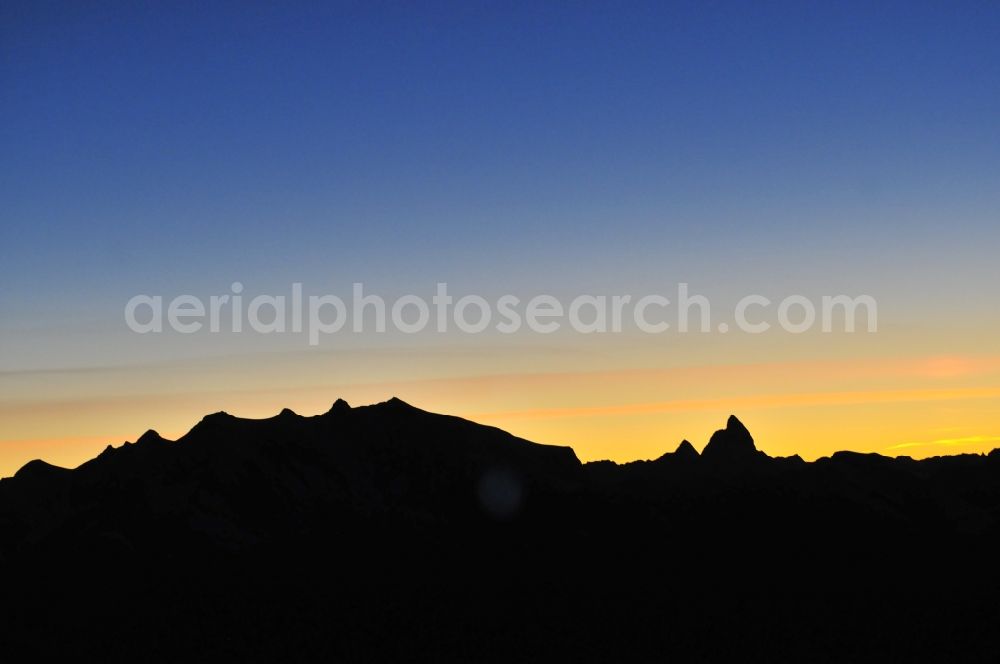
(730, 444)
(353, 530)
(251, 478)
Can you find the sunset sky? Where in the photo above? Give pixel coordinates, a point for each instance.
(742, 148)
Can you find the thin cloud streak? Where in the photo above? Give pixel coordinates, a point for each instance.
(967, 440)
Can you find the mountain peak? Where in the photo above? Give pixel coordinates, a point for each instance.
(339, 406)
(734, 443)
(396, 402)
(686, 450)
(221, 418)
(151, 436)
(734, 424)
(209, 423)
(39, 468)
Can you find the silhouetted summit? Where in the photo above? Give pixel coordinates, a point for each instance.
(734, 444)
(686, 451)
(39, 470)
(339, 406)
(150, 437)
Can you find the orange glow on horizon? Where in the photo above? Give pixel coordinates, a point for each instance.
(924, 405)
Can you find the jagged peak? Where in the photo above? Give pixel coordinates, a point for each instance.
(287, 412)
(217, 416)
(734, 443)
(684, 452)
(151, 436)
(396, 402)
(339, 406)
(734, 424)
(209, 422)
(686, 449)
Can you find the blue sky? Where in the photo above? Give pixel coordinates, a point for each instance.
(177, 147)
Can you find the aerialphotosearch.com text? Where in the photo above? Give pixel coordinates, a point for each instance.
(363, 312)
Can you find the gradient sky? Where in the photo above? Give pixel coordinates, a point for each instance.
(778, 148)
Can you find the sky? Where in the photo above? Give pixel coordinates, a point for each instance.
(560, 148)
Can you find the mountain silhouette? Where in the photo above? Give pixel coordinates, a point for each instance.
(686, 451)
(308, 536)
(734, 444)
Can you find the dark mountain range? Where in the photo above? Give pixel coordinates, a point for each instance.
(387, 532)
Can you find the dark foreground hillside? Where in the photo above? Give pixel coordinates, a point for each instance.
(389, 533)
